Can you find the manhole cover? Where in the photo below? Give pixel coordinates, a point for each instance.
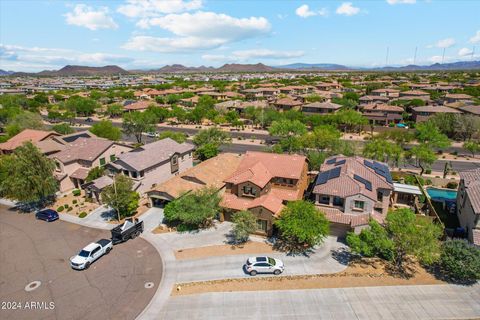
(32, 286)
(149, 285)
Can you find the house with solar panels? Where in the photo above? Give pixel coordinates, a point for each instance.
(351, 190)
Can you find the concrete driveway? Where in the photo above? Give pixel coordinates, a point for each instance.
(34, 250)
(398, 302)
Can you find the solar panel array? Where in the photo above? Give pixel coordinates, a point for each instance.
(380, 169)
(340, 162)
(368, 184)
(331, 161)
(323, 177)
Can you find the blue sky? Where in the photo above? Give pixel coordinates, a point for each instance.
(139, 34)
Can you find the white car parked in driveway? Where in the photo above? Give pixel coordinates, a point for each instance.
(256, 265)
(90, 253)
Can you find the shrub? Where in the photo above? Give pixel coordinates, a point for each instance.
(60, 209)
(82, 214)
(76, 192)
(244, 224)
(74, 201)
(460, 260)
(452, 185)
(428, 171)
(69, 209)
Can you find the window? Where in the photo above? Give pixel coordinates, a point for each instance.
(113, 157)
(379, 196)
(102, 161)
(125, 172)
(57, 164)
(359, 204)
(337, 201)
(324, 199)
(142, 174)
(248, 190)
(262, 225)
(174, 160)
(134, 174)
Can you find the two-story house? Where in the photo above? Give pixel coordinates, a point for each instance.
(154, 163)
(468, 204)
(77, 158)
(262, 184)
(382, 114)
(351, 190)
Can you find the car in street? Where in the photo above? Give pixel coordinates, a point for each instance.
(89, 120)
(48, 215)
(90, 254)
(256, 265)
(152, 134)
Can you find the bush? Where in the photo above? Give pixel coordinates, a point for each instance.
(452, 185)
(69, 209)
(244, 224)
(82, 214)
(460, 260)
(76, 192)
(74, 201)
(428, 171)
(60, 209)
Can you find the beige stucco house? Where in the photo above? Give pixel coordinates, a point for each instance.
(468, 204)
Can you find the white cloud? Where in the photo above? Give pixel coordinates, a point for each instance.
(85, 16)
(305, 12)
(266, 54)
(200, 30)
(440, 59)
(215, 57)
(347, 9)
(465, 52)
(393, 2)
(475, 38)
(445, 43)
(152, 8)
(37, 58)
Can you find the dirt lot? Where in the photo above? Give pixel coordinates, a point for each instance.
(366, 273)
(222, 250)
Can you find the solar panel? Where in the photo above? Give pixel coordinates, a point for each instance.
(379, 169)
(340, 162)
(368, 184)
(331, 161)
(323, 177)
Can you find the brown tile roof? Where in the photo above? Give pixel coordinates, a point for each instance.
(24, 136)
(458, 96)
(414, 93)
(288, 102)
(471, 109)
(268, 201)
(382, 107)
(50, 146)
(323, 105)
(139, 105)
(435, 109)
(260, 167)
(345, 184)
(211, 172)
(471, 180)
(80, 173)
(87, 149)
(337, 216)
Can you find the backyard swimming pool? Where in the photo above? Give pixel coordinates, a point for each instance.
(442, 194)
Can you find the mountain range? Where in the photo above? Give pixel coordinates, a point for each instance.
(72, 70)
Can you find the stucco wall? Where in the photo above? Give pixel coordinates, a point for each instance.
(466, 215)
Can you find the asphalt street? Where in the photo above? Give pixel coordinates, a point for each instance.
(34, 250)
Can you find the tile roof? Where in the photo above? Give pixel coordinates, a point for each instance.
(24, 136)
(471, 181)
(337, 216)
(323, 105)
(288, 102)
(345, 184)
(152, 154)
(435, 109)
(269, 201)
(87, 149)
(80, 173)
(138, 105)
(382, 107)
(471, 109)
(211, 172)
(261, 167)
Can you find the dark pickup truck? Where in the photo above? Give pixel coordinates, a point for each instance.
(130, 229)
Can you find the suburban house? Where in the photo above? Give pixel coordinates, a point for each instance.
(468, 204)
(351, 190)
(78, 157)
(262, 184)
(320, 108)
(386, 92)
(458, 97)
(154, 162)
(140, 105)
(473, 110)
(34, 136)
(209, 173)
(285, 104)
(382, 114)
(373, 99)
(423, 113)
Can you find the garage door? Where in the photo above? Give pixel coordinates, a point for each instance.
(339, 230)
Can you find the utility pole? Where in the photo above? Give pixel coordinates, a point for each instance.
(443, 54)
(415, 55)
(116, 197)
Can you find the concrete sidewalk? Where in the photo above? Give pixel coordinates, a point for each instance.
(396, 302)
(93, 220)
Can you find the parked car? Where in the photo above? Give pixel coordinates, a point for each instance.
(130, 229)
(90, 253)
(89, 120)
(48, 215)
(152, 134)
(256, 265)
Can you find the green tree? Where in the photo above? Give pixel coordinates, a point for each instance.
(208, 141)
(429, 134)
(95, 173)
(121, 197)
(136, 123)
(351, 120)
(323, 137)
(179, 137)
(245, 223)
(383, 150)
(28, 175)
(22, 121)
(81, 105)
(315, 159)
(158, 113)
(412, 235)
(194, 209)
(106, 129)
(289, 132)
(63, 128)
(424, 156)
(372, 242)
(114, 110)
(302, 225)
(460, 260)
(472, 146)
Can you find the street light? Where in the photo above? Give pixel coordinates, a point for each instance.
(111, 175)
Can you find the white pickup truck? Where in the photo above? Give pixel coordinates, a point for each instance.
(90, 253)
